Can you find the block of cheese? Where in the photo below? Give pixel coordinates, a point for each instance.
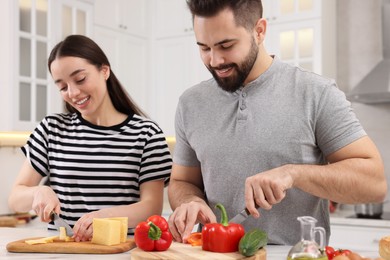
(124, 227)
(106, 231)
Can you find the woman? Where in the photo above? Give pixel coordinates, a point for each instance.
(102, 159)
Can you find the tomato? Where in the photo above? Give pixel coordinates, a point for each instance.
(195, 239)
(345, 252)
(329, 252)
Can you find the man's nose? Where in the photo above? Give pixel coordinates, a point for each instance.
(216, 59)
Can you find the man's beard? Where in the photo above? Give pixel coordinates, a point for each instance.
(234, 82)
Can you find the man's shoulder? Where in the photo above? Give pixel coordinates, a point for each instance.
(205, 87)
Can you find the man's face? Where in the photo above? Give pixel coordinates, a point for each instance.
(228, 51)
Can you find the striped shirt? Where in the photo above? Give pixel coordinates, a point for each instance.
(92, 167)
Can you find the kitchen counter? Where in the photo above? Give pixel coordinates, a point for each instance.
(11, 234)
(37, 229)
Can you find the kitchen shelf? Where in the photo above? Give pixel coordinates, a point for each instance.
(13, 139)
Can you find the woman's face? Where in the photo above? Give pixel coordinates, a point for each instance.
(81, 84)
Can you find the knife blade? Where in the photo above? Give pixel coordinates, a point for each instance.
(240, 217)
(59, 222)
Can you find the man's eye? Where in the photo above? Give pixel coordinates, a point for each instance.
(205, 48)
(225, 47)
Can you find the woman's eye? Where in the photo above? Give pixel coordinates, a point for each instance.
(79, 81)
(64, 88)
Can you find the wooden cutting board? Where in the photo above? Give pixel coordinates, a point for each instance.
(188, 252)
(69, 247)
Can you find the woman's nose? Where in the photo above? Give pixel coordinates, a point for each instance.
(73, 91)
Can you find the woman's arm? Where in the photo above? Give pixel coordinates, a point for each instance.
(27, 194)
(151, 203)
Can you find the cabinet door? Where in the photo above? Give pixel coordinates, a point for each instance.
(289, 10)
(177, 66)
(128, 58)
(32, 77)
(128, 16)
(357, 238)
(171, 18)
(298, 43)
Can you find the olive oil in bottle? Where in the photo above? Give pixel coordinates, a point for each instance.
(307, 248)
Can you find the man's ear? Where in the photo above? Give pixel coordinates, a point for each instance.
(260, 29)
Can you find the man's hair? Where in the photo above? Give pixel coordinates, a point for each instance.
(246, 12)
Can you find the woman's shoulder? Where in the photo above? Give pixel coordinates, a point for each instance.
(144, 124)
(59, 120)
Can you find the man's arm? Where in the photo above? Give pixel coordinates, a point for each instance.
(186, 197)
(355, 174)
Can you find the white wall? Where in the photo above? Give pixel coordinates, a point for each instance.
(359, 49)
(376, 121)
(11, 159)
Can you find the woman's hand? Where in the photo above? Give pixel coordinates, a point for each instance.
(83, 228)
(44, 202)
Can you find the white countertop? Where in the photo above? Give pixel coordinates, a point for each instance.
(36, 229)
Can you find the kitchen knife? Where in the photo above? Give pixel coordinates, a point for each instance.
(240, 217)
(59, 222)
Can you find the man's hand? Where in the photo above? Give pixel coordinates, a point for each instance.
(184, 218)
(266, 189)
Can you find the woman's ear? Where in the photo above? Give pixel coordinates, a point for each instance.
(106, 71)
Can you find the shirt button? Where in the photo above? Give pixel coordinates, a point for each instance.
(242, 107)
(243, 94)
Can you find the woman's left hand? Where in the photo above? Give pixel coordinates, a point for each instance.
(83, 227)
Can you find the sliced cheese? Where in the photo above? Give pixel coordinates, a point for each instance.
(43, 240)
(124, 227)
(106, 231)
(62, 233)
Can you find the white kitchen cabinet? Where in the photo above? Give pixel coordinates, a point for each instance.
(127, 16)
(32, 28)
(171, 18)
(277, 11)
(295, 32)
(176, 67)
(298, 43)
(359, 237)
(128, 56)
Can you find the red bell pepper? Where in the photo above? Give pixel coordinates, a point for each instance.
(153, 235)
(222, 237)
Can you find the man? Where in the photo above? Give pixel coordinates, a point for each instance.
(263, 133)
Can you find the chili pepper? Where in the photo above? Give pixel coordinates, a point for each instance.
(222, 237)
(195, 239)
(153, 235)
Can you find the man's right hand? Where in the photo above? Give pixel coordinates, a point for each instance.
(184, 218)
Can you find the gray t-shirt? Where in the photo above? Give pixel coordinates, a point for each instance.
(285, 116)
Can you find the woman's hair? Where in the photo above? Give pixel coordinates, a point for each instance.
(246, 12)
(83, 47)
